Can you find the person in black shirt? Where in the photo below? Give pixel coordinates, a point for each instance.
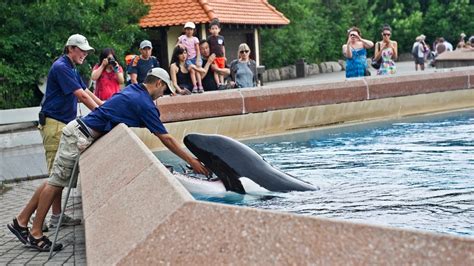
(208, 81)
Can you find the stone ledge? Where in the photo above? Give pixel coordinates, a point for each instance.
(417, 84)
(267, 98)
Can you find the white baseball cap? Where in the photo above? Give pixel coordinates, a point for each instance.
(189, 25)
(163, 75)
(79, 41)
(145, 43)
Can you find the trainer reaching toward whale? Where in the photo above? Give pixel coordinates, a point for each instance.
(234, 163)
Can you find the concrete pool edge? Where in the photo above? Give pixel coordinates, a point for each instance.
(252, 125)
(136, 212)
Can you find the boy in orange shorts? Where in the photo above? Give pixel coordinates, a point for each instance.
(216, 45)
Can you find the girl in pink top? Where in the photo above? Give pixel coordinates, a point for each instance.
(108, 75)
(193, 60)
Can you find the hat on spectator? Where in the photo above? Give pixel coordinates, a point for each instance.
(189, 25)
(145, 43)
(163, 75)
(79, 41)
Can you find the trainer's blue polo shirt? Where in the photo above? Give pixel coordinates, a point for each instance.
(60, 102)
(132, 106)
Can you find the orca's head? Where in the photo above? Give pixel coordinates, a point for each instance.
(210, 150)
(201, 146)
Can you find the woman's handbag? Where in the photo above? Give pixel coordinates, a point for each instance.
(376, 63)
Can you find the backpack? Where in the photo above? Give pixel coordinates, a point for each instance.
(415, 49)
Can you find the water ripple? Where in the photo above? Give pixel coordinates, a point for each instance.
(416, 173)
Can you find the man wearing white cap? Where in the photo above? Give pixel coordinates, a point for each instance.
(64, 88)
(141, 64)
(133, 106)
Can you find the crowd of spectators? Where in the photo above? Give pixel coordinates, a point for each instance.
(196, 65)
(386, 52)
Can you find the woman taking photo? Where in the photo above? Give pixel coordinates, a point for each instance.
(107, 74)
(356, 54)
(243, 71)
(388, 50)
(179, 73)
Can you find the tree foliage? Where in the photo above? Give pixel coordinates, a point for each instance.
(318, 28)
(33, 34)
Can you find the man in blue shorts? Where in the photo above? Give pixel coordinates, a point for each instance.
(141, 64)
(133, 106)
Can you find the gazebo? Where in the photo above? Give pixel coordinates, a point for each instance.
(240, 21)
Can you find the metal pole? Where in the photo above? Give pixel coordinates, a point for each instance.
(71, 182)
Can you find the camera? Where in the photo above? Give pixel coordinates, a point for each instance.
(112, 61)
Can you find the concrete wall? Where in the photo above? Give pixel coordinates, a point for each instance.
(261, 111)
(136, 213)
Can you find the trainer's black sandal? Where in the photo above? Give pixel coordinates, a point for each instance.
(19, 231)
(43, 244)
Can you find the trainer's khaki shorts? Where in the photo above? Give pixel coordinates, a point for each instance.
(72, 143)
(51, 134)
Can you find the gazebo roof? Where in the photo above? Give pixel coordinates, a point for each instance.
(244, 12)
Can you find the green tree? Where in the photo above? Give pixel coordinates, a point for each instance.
(33, 34)
(318, 27)
(317, 30)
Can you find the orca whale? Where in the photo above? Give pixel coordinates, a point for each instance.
(235, 164)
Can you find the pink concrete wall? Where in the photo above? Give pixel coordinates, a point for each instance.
(266, 98)
(137, 213)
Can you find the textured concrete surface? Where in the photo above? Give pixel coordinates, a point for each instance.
(13, 197)
(153, 220)
(203, 233)
(456, 58)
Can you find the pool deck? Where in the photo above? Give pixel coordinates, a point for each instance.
(11, 201)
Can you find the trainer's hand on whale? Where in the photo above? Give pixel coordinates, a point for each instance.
(198, 167)
(173, 145)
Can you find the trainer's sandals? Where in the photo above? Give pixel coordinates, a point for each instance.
(43, 244)
(19, 231)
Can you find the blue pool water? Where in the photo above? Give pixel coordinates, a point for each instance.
(413, 173)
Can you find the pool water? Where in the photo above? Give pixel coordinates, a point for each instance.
(415, 173)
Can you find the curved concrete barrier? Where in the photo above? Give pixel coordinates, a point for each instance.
(136, 213)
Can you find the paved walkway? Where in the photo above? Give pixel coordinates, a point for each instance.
(12, 252)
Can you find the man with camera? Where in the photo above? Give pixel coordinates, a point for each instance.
(141, 64)
(107, 74)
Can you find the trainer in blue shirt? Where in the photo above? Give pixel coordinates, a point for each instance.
(133, 106)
